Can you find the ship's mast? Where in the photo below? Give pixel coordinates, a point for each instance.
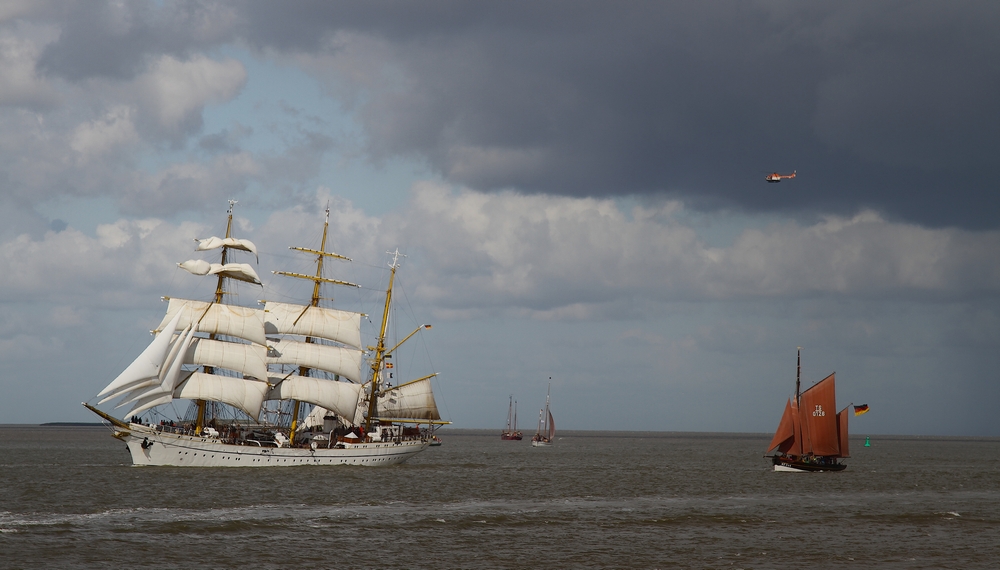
(380, 346)
(798, 380)
(219, 291)
(510, 412)
(317, 279)
(548, 391)
(798, 373)
(219, 294)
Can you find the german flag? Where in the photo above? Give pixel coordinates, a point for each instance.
(862, 409)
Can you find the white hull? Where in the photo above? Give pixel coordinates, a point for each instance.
(536, 443)
(151, 447)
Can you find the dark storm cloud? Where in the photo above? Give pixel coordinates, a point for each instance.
(882, 105)
(117, 40)
(888, 105)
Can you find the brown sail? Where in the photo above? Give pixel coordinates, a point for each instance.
(842, 432)
(796, 447)
(785, 435)
(817, 413)
(811, 434)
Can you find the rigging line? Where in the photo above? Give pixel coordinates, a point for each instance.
(411, 313)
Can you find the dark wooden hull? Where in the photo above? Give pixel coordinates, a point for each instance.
(785, 464)
(511, 436)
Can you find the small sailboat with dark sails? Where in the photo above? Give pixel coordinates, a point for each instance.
(511, 433)
(546, 432)
(810, 435)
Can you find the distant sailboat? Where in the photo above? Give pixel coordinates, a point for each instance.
(810, 436)
(511, 433)
(546, 432)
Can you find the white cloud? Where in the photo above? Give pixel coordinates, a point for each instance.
(174, 92)
(123, 262)
(110, 132)
(186, 186)
(552, 258)
(19, 84)
(554, 255)
(574, 284)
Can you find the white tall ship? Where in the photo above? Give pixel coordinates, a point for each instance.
(251, 373)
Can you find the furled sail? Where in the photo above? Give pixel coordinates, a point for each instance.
(234, 243)
(239, 271)
(339, 397)
(330, 324)
(216, 318)
(412, 400)
(338, 360)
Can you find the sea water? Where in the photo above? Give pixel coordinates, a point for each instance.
(70, 499)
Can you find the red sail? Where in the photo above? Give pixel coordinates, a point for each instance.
(784, 437)
(819, 418)
(796, 445)
(842, 432)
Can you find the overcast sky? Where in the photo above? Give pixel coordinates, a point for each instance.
(579, 188)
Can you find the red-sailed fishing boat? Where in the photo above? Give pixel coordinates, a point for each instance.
(811, 436)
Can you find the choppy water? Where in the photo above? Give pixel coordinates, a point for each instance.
(69, 499)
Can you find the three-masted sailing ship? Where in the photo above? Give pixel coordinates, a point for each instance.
(241, 365)
(546, 432)
(811, 436)
(511, 433)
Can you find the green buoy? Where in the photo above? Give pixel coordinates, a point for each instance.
(868, 442)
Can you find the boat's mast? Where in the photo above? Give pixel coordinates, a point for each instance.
(510, 411)
(547, 392)
(319, 259)
(380, 346)
(317, 280)
(220, 292)
(798, 408)
(314, 302)
(798, 373)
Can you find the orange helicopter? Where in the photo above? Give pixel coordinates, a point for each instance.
(775, 177)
